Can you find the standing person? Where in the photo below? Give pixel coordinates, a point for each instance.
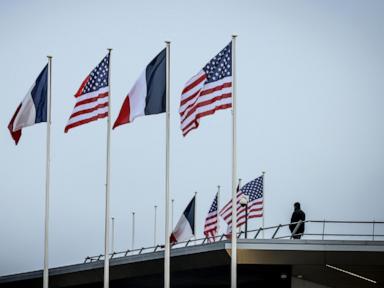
(297, 215)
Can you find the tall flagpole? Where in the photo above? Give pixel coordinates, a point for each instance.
(113, 235)
(155, 227)
(106, 232)
(218, 209)
(234, 171)
(133, 231)
(195, 226)
(263, 202)
(167, 252)
(47, 174)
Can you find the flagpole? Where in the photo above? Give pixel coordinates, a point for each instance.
(133, 230)
(173, 200)
(195, 226)
(263, 202)
(218, 209)
(234, 171)
(154, 227)
(113, 235)
(47, 175)
(167, 252)
(107, 217)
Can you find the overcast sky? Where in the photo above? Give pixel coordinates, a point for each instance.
(310, 113)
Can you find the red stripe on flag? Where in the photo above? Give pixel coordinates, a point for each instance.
(85, 121)
(205, 103)
(86, 111)
(194, 84)
(90, 100)
(206, 113)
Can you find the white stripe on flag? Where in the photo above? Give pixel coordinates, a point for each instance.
(27, 113)
(87, 116)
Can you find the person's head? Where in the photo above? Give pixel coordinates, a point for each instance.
(296, 206)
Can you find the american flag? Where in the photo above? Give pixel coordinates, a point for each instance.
(254, 191)
(92, 97)
(210, 228)
(207, 91)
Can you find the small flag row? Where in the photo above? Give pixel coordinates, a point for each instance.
(252, 191)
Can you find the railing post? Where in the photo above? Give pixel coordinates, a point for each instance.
(373, 230)
(322, 236)
(277, 229)
(258, 232)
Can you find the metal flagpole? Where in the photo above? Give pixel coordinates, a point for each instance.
(167, 252)
(218, 209)
(195, 226)
(107, 178)
(154, 227)
(234, 171)
(47, 174)
(263, 202)
(173, 200)
(113, 235)
(133, 230)
(238, 185)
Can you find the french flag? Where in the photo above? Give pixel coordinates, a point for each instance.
(147, 95)
(33, 109)
(185, 228)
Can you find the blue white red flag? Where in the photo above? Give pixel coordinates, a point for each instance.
(33, 109)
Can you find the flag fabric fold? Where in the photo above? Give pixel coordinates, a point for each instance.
(33, 109)
(254, 191)
(147, 95)
(92, 98)
(208, 91)
(211, 221)
(185, 227)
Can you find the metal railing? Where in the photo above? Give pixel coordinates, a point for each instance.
(330, 230)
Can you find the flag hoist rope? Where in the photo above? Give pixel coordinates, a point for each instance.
(47, 175)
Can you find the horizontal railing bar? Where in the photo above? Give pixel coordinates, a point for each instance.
(257, 231)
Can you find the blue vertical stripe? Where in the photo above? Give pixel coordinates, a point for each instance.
(39, 95)
(155, 76)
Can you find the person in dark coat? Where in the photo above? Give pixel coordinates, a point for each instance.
(297, 215)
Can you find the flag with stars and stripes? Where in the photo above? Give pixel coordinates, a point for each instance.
(92, 98)
(208, 91)
(210, 228)
(254, 192)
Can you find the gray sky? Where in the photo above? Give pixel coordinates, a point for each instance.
(310, 114)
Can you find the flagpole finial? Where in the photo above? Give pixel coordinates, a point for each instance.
(167, 42)
(109, 50)
(263, 173)
(49, 56)
(234, 36)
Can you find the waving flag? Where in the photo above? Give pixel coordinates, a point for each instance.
(147, 95)
(254, 191)
(185, 228)
(33, 109)
(210, 227)
(92, 97)
(208, 91)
